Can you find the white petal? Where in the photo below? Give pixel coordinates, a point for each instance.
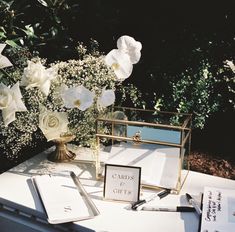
(63, 88)
(15, 104)
(110, 58)
(69, 96)
(11, 108)
(86, 98)
(134, 56)
(5, 96)
(21, 106)
(107, 98)
(125, 42)
(131, 47)
(4, 62)
(16, 95)
(8, 116)
(16, 90)
(2, 46)
(120, 62)
(45, 87)
(78, 97)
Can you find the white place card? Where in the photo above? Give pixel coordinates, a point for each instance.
(122, 183)
(218, 211)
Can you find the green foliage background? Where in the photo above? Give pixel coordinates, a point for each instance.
(180, 40)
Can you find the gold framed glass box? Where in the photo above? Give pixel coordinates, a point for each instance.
(156, 141)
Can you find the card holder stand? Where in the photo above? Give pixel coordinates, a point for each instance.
(163, 137)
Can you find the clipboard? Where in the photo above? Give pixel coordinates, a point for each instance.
(64, 198)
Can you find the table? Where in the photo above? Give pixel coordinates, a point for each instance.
(114, 216)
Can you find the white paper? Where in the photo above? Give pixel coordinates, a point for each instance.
(218, 212)
(61, 199)
(122, 183)
(160, 165)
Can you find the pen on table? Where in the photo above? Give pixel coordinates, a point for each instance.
(158, 195)
(84, 193)
(194, 204)
(169, 208)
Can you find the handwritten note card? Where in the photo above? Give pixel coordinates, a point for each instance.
(122, 182)
(218, 210)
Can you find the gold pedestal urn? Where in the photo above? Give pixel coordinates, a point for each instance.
(61, 153)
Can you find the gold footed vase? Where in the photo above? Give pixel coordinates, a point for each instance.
(62, 153)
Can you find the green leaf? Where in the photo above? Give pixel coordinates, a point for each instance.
(12, 43)
(29, 31)
(3, 29)
(2, 35)
(7, 3)
(44, 3)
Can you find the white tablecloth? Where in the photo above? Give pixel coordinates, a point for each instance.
(114, 216)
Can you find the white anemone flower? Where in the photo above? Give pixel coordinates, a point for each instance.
(36, 75)
(77, 97)
(130, 46)
(10, 102)
(106, 98)
(4, 62)
(120, 62)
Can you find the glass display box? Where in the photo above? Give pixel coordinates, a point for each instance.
(157, 141)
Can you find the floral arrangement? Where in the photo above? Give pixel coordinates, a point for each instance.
(39, 100)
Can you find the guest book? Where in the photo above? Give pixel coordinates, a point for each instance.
(64, 198)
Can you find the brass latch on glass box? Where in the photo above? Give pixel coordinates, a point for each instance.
(156, 141)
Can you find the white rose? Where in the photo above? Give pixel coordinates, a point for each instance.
(53, 124)
(36, 75)
(10, 102)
